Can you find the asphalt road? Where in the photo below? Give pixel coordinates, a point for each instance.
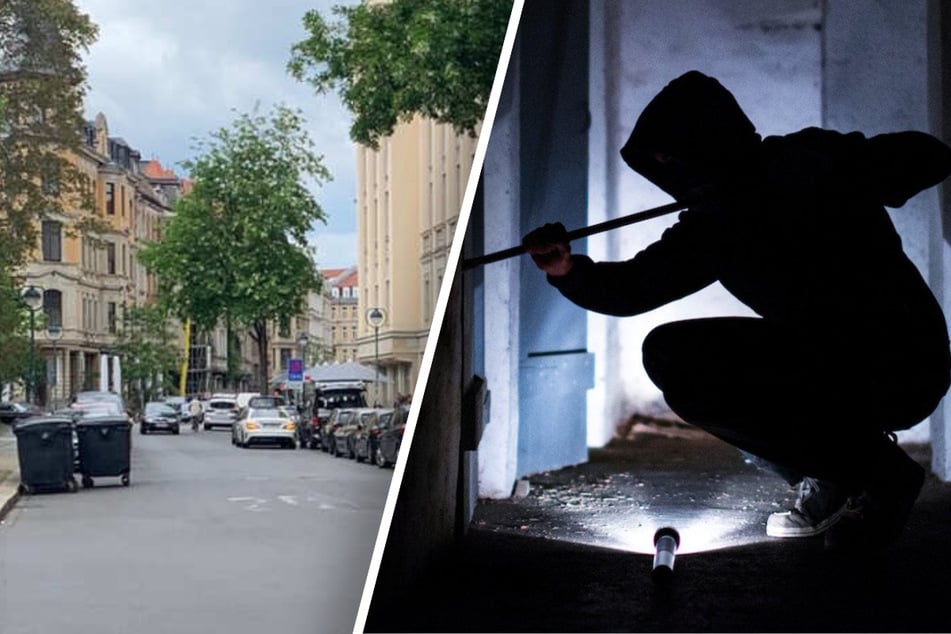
(207, 538)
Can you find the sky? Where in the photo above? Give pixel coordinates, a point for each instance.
(166, 74)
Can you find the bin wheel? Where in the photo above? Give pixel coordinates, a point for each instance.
(87, 482)
(72, 485)
(24, 489)
(125, 479)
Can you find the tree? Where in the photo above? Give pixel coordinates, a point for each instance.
(236, 250)
(42, 85)
(390, 61)
(148, 361)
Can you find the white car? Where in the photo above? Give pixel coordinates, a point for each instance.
(264, 426)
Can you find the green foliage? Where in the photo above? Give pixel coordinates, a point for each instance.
(390, 61)
(14, 332)
(148, 360)
(236, 249)
(41, 94)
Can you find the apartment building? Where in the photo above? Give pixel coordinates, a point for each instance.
(409, 193)
(342, 285)
(87, 281)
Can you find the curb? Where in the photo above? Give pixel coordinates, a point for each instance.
(9, 504)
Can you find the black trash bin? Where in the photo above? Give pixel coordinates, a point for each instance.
(105, 447)
(45, 453)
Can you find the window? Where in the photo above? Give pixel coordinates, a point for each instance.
(111, 258)
(50, 183)
(284, 327)
(53, 307)
(335, 292)
(111, 317)
(111, 199)
(285, 357)
(52, 241)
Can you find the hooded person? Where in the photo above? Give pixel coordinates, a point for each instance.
(849, 344)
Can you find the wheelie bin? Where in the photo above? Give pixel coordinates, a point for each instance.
(45, 454)
(105, 447)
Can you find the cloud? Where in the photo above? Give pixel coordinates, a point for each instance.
(335, 250)
(164, 78)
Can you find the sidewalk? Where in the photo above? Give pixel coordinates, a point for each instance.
(9, 470)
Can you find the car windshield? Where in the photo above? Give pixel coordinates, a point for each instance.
(159, 409)
(265, 412)
(90, 410)
(265, 401)
(221, 405)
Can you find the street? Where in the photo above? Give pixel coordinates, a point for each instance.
(208, 538)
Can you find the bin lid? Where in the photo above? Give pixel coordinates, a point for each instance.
(40, 423)
(103, 421)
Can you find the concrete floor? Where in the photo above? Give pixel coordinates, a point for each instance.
(575, 555)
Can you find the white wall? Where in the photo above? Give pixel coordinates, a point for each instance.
(768, 54)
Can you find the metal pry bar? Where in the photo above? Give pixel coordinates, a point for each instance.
(583, 232)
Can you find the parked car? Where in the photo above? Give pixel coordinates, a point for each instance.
(159, 415)
(345, 435)
(11, 412)
(264, 425)
(390, 441)
(367, 440)
(338, 417)
(329, 396)
(96, 396)
(222, 411)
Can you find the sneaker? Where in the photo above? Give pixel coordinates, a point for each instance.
(876, 517)
(820, 505)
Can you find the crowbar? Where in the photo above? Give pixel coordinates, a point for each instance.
(583, 232)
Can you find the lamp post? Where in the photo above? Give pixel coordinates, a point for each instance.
(376, 317)
(303, 338)
(33, 299)
(54, 332)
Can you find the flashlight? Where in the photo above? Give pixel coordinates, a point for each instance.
(666, 541)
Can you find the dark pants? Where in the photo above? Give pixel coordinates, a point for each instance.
(810, 406)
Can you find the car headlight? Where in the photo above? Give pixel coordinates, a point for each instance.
(290, 426)
(251, 425)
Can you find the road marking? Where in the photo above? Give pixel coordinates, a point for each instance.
(289, 499)
(255, 505)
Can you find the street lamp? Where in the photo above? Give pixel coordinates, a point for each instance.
(303, 339)
(33, 299)
(54, 332)
(376, 317)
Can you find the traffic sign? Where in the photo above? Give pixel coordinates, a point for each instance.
(295, 373)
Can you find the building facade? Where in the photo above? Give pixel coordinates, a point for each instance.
(89, 280)
(342, 286)
(409, 193)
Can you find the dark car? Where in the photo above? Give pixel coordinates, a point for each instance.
(13, 412)
(160, 416)
(367, 440)
(328, 397)
(390, 442)
(345, 434)
(338, 417)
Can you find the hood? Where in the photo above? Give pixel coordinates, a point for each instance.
(691, 138)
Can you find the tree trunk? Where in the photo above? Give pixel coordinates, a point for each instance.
(260, 337)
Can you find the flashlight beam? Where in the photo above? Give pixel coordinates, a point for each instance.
(583, 232)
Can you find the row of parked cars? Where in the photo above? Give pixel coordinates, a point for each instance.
(370, 434)
(337, 422)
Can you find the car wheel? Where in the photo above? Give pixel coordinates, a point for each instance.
(206, 426)
(379, 459)
(143, 429)
(88, 482)
(175, 430)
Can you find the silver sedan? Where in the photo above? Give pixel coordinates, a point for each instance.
(264, 426)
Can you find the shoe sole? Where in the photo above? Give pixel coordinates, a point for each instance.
(810, 531)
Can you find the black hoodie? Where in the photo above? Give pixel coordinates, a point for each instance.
(794, 226)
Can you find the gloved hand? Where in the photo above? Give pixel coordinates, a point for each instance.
(548, 245)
